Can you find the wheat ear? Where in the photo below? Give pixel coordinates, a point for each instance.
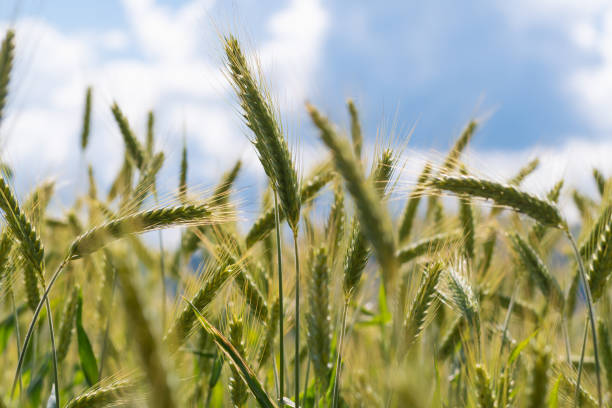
(537, 270)
(600, 181)
(238, 388)
(426, 245)
(86, 120)
(98, 237)
(414, 322)
(132, 144)
(372, 216)
(356, 133)
(268, 139)
(183, 174)
(484, 393)
(318, 319)
(7, 54)
(505, 195)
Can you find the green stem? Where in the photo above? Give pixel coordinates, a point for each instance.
(297, 319)
(275, 372)
(336, 391)
(108, 321)
(281, 395)
(307, 377)
(43, 301)
(591, 311)
(163, 280)
(17, 336)
(584, 340)
(54, 353)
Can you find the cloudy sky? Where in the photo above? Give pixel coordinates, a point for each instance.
(539, 74)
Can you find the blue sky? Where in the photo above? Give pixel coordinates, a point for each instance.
(540, 73)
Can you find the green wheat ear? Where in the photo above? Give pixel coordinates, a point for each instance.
(318, 318)
(373, 217)
(485, 397)
(86, 120)
(504, 195)
(538, 271)
(133, 146)
(7, 55)
(183, 174)
(260, 116)
(414, 322)
(238, 388)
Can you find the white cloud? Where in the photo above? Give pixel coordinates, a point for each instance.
(292, 53)
(114, 40)
(157, 61)
(592, 84)
(587, 25)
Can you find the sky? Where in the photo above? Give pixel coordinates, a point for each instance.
(538, 75)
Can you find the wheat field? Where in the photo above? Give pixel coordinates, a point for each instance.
(476, 293)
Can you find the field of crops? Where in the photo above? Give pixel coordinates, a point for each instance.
(476, 293)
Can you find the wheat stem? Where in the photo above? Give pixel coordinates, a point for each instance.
(591, 311)
(53, 353)
(281, 333)
(297, 319)
(336, 390)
